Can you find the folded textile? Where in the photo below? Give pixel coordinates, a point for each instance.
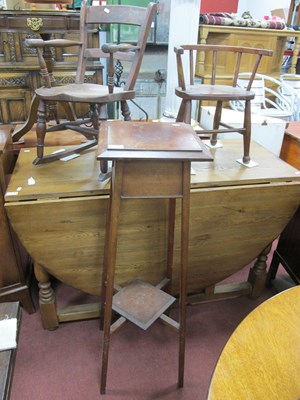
(228, 19)
(275, 24)
(251, 23)
(221, 14)
(214, 20)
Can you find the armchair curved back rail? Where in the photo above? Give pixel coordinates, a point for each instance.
(81, 91)
(215, 90)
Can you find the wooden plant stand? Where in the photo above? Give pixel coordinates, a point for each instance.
(150, 160)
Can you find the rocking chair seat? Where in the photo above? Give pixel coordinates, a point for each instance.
(84, 93)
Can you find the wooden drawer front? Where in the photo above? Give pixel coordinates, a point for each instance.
(62, 24)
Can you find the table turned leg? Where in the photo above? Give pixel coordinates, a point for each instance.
(258, 273)
(46, 298)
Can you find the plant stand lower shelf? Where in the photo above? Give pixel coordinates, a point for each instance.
(152, 303)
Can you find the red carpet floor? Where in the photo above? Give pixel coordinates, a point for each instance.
(65, 364)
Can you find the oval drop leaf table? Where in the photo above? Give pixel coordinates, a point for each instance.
(59, 211)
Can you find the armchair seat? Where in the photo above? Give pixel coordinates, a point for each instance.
(209, 92)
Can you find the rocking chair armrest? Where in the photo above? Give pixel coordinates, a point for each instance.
(114, 48)
(40, 43)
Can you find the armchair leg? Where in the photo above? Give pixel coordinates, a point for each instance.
(247, 133)
(216, 124)
(184, 113)
(187, 116)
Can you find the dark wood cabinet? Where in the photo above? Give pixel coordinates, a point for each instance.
(287, 252)
(19, 77)
(19, 70)
(15, 263)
